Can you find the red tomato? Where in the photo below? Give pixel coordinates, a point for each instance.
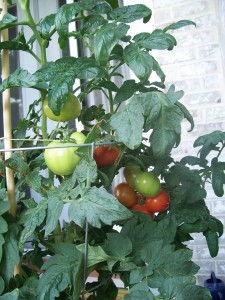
(144, 209)
(158, 203)
(106, 155)
(125, 194)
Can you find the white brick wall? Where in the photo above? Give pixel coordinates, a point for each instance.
(196, 66)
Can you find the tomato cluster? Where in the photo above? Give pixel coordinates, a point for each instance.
(142, 191)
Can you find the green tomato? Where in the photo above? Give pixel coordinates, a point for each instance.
(69, 111)
(130, 173)
(78, 137)
(61, 161)
(147, 184)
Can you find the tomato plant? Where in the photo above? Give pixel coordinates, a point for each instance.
(147, 184)
(71, 218)
(125, 194)
(70, 110)
(130, 173)
(106, 155)
(158, 203)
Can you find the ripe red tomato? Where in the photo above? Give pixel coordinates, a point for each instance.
(69, 111)
(147, 184)
(144, 209)
(125, 194)
(106, 155)
(158, 203)
(130, 173)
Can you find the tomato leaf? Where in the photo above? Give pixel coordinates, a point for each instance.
(46, 25)
(3, 225)
(7, 21)
(11, 256)
(183, 287)
(179, 24)
(14, 295)
(209, 142)
(66, 14)
(139, 294)
(212, 241)
(2, 284)
(158, 39)
(94, 206)
(55, 207)
(130, 13)
(4, 203)
(22, 78)
(62, 73)
(218, 177)
(126, 91)
(105, 40)
(92, 22)
(128, 130)
(86, 170)
(117, 245)
(139, 61)
(167, 130)
(61, 270)
(34, 217)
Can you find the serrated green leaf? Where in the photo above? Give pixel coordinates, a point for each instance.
(97, 206)
(182, 288)
(159, 72)
(158, 39)
(14, 295)
(29, 289)
(4, 203)
(14, 45)
(186, 114)
(190, 160)
(113, 3)
(212, 242)
(173, 95)
(137, 274)
(2, 241)
(126, 91)
(209, 142)
(117, 245)
(92, 22)
(96, 255)
(128, 130)
(130, 13)
(86, 170)
(139, 61)
(3, 225)
(55, 207)
(219, 225)
(143, 295)
(167, 130)
(105, 40)
(11, 255)
(7, 21)
(218, 178)
(2, 283)
(61, 270)
(34, 180)
(67, 12)
(35, 216)
(17, 162)
(62, 74)
(179, 24)
(46, 25)
(22, 78)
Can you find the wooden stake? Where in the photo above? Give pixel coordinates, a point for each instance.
(7, 122)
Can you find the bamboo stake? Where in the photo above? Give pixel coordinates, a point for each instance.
(7, 115)
(7, 122)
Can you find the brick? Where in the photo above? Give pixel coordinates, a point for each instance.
(202, 98)
(208, 20)
(221, 269)
(215, 113)
(209, 51)
(188, 85)
(176, 56)
(206, 266)
(199, 68)
(212, 81)
(196, 37)
(190, 9)
(162, 16)
(164, 3)
(219, 207)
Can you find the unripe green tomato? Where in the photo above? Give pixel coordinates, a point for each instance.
(130, 173)
(78, 137)
(70, 110)
(147, 184)
(61, 161)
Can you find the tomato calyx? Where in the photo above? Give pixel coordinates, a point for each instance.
(105, 155)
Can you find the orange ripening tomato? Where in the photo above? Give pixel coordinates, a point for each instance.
(143, 209)
(106, 155)
(158, 203)
(125, 194)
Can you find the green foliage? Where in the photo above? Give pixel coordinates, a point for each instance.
(146, 253)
